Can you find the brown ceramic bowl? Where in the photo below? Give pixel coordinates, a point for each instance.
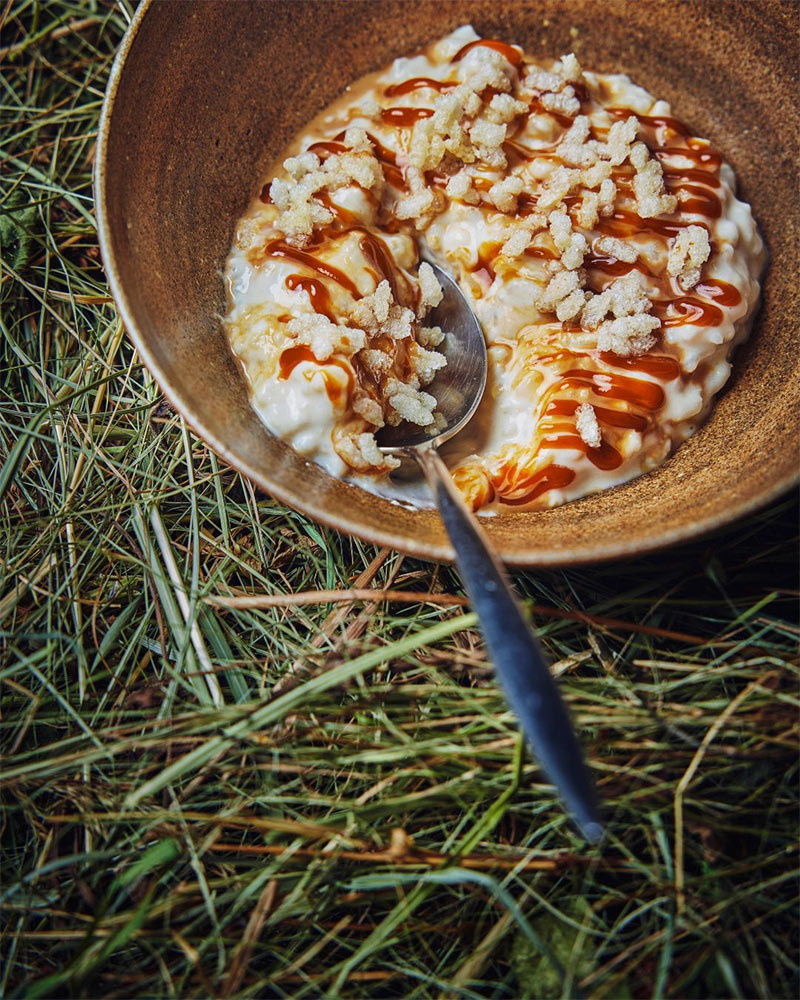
(204, 95)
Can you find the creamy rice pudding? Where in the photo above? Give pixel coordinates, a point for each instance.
(599, 242)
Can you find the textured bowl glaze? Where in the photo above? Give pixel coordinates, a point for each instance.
(203, 96)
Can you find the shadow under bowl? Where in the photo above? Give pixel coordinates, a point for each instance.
(203, 97)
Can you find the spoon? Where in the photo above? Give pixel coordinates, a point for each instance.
(519, 662)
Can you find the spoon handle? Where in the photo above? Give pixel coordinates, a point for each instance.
(521, 668)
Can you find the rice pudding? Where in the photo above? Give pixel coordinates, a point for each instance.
(601, 245)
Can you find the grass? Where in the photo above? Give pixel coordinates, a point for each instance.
(323, 794)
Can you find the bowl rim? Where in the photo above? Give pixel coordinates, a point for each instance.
(525, 557)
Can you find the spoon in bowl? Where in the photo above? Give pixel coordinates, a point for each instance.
(519, 662)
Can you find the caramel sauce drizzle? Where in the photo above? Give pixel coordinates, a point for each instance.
(677, 176)
(654, 122)
(581, 91)
(325, 149)
(344, 215)
(384, 155)
(435, 179)
(623, 222)
(612, 266)
(373, 248)
(605, 456)
(279, 248)
(418, 83)
(700, 200)
(516, 486)
(646, 395)
(686, 309)
(720, 291)
(404, 117)
(703, 156)
(659, 366)
(487, 254)
(526, 204)
(615, 418)
(692, 198)
(514, 57)
(376, 252)
(316, 291)
(388, 161)
(291, 357)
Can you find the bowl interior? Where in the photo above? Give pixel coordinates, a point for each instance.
(204, 96)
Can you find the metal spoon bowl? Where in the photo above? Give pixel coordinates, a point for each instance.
(520, 664)
(458, 388)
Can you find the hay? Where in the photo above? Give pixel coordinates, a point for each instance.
(323, 793)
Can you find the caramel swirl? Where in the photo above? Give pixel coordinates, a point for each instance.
(279, 248)
(417, 83)
(337, 393)
(647, 395)
(517, 486)
(513, 56)
(404, 117)
(316, 291)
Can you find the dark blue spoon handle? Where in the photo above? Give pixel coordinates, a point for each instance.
(519, 662)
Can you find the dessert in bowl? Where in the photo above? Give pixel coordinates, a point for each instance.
(599, 242)
(178, 157)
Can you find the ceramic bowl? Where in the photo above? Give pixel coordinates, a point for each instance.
(204, 95)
